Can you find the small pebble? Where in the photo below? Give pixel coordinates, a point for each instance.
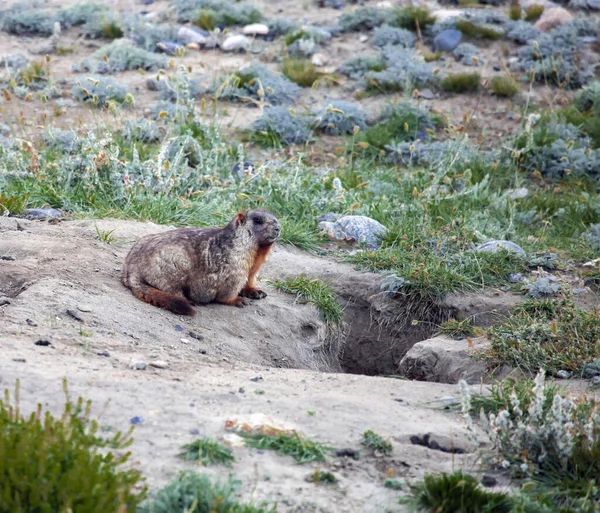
(194, 431)
(195, 335)
(563, 374)
(595, 380)
(104, 353)
(241, 390)
(136, 420)
(8, 258)
(497, 68)
(84, 308)
(178, 327)
(256, 379)
(448, 400)
(20, 360)
(515, 278)
(159, 364)
(4, 301)
(363, 38)
(43, 343)
(579, 291)
(139, 365)
(75, 315)
(31, 323)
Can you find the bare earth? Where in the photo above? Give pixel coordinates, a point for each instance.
(65, 267)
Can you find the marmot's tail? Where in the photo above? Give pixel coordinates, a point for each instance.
(162, 299)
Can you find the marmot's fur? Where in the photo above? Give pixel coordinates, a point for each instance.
(188, 266)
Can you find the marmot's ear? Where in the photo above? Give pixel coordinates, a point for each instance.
(240, 218)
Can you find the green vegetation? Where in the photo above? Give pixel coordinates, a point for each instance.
(412, 18)
(301, 71)
(455, 493)
(376, 443)
(191, 492)
(533, 12)
(207, 19)
(474, 31)
(288, 444)
(320, 476)
(458, 329)
(208, 452)
(553, 334)
(504, 87)
(461, 82)
(316, 292)
(112, 30)
(72, 466)
(514, 12)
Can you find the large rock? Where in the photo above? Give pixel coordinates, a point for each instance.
(190, 35)
(256, 29)
(236, 43)
(361, 229)
(552, 18)
(444, 360)
(447, 40)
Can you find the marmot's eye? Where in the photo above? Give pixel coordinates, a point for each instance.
(259, 220)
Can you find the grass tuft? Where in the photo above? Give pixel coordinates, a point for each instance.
(504, 87)
(112, 30)
(208, 452)
(533, 12)
(288, 444)
(412, 17)
(514, 12)
(469, 29)
(316, 292)
(461, 82)
(301, 71)
(458, 329)
(376, 443)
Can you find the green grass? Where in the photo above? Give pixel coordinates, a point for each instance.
(504, 87)
(208, 452)
(461, 82)
(515, 12)
(553, 334)
(112, 30)
(316, 292)
(13, 204)
(288, 444)
(533, 12)
(207, 19)
(412, 17)
(455, 493)
(478, 32)
(323, 476)
(376, 443)
(301, 71)
(458, 329)
(105, 236)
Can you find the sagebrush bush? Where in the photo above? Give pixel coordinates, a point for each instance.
(386, 35)
(521, 32)
(62, 464)
(99, 90)
(142, 130)
(226, 13)
(410, 17)
(357, 67)
(80, 13)
(258, 82)
(363, 18)
(281, 26)
(281, 127)
(341, 117)
(23, 20)
(147, 35)
(116, 57)
(468, 55)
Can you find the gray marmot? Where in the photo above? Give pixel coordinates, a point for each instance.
(187, 266)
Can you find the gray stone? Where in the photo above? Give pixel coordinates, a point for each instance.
(596, 380)
(84, 308)
(515, 278)
(426, 94)
(189, 35)
(447, 40)
(42, 214)
(520, 193)
(236, 43)
(361, 229)
(444, 360)
(563, 374)
(159, 364)
(495, 245)
(4, 301)
(139, 365)
(169, 47)
(256, 29)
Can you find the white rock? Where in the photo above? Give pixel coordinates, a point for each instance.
(190, 36)
(256, 29)
(319, 59)
(552, 18)
(363, 38)
(385, 5)
(234, 43)
(159, 364)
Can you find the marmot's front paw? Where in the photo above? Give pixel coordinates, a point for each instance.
(240, 302)
(253, 293)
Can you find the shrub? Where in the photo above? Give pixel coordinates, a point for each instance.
(224, 13)
(340, 117)
(61, 464)
(289, 444)
(357, 67)
(80, 13)
(99, 91)
(191, 492)
(409, 17)
(364, 18)
(457, 493)
(65, 141)
(301, 71)
(207, 19)
(257, 81)
(386, 35)
(521, 32)
(404, 70)
(514, 12)
(552, 334)
(555, 447)
(142, 130)
(281, 127)
(504, 87)
(281, 26)
(588, 99)
(468, 55)
(207, 452)
(533, 12)
(28, 21)
(148, 35)
(116, 57)
(461, 82)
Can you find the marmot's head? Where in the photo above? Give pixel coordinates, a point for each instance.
(261, 224)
